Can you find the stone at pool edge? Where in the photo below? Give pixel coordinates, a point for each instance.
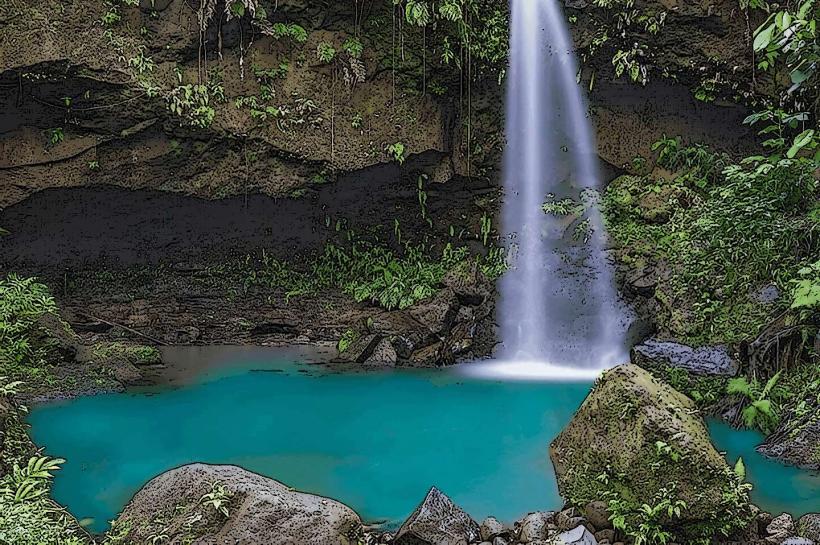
(438, 521)
(706, 360)
(616, 431)
(260, 508)
(577, 536)
(808, 526)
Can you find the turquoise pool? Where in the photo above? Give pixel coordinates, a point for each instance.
(375, 440)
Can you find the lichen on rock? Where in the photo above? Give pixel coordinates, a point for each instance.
(642, 447)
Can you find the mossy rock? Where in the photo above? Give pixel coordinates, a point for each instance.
(635, 441)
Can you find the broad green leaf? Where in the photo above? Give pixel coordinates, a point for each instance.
(763, 38)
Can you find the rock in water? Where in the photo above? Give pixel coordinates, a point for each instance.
(795, 442)
(641, 440)
(577, 536)
(707, 360)
(260, 511)
(438, 521)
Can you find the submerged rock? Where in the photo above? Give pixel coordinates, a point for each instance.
(707, 360)
(184, 505)
(438, 521)
(640, 439)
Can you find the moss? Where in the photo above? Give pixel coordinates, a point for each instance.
(133, 354)
(636, 441)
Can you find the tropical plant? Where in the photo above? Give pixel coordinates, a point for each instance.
(647, 523)
(31, 481)
(348, 338)
(806, 288)
(55, 136)
(23, 301)
(397, 152)
(760, 412)
(219, 498)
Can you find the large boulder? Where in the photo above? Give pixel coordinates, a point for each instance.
(706, 360)
(635, 441)
(185, 505)
(438, 521)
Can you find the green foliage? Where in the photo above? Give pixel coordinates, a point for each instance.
(646, 525)
(704, 390)
(134, 354)
(348, 338)
(140, 62)
(723, 229)
(193, 103)
(478, 28)
(620, 30)
(760, 412)
(292, 31)
(486, 228)
(805, 291)
(218, 498)
(31, 482)
(397, 152)
(370, 272)
(790, 35)
(353, 47)
(27, 515)
(23, 301)
(55, 136)
(325, 52)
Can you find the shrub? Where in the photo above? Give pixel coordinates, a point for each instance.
(23, 301)
(723, 229)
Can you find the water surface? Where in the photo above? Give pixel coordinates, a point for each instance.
(374, 440)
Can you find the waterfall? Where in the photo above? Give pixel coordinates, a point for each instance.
(559, 313)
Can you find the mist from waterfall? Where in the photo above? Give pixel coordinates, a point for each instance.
(559, 313)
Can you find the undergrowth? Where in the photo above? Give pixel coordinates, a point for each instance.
(370, 272)
(23, 302)
(722, 230)
(28, 516)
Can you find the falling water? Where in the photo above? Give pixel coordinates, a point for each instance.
(559, 313)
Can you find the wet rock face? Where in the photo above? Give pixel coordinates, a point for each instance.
(795, 442)
(438, 521)
(630, 422)
(707, 360)
(259, 511)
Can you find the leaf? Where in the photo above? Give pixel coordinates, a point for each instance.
(749, 416)
(800, 141)
(764, 407)
(770, 384)
(763, 38)
(739, 386)
(740, 469)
